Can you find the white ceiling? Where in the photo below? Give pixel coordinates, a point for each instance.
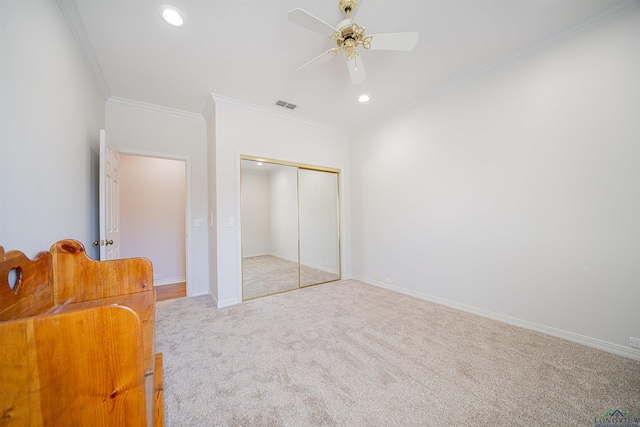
(248, 50)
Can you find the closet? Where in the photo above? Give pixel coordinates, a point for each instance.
(290, 222)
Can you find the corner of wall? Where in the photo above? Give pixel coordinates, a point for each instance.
(209, 115)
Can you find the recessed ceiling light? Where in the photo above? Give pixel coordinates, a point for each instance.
(259, 163)
(172, 15)
(363, 98)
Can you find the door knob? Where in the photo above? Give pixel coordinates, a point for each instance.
(109, 242)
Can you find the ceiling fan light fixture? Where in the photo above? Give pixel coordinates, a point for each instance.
(172, 15)
(348, 37)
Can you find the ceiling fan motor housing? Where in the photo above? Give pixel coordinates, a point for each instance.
(348, 37)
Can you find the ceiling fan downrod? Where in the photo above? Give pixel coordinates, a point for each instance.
(347, 6)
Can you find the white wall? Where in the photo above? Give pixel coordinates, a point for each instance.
(152, 214)
(516, 195)
(256, 214)
(244, 130)
(142, 129)
(212, 242)
(51, 112)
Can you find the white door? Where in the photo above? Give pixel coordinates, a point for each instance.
(109, 199)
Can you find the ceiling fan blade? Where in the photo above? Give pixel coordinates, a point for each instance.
(316, 62)
(394, 41)
(307, 20)
(356, 70)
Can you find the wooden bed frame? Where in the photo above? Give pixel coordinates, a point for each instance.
(77, 343)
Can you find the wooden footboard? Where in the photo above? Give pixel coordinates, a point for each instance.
(65, 287)
(80, 282)
(78, 368)
(76, 277)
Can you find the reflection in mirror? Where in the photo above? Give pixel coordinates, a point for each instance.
(319, 227)
(269, 203)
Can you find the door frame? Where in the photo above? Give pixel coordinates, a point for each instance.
(299, 165)
(187, 161)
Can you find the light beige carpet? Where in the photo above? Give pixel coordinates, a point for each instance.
(349, 354)
(267, 275)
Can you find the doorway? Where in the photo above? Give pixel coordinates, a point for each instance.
(153, 200)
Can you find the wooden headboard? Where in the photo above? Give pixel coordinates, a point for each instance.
(25, 285)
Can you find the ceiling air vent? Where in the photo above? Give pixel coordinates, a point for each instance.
(285, 104)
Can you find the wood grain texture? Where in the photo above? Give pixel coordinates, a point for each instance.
(79, 368)
(159, 393)
(175, 290)
(57, 285)
(15, 374)
(143, 304)
(79, 278)
(32, 292)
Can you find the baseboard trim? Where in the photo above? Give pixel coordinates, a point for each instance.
(548, 330)
(200, 294)
(321, 268)
(170, 281)
(286, 258)
(213, 297)
(256, 255)
(226, 302)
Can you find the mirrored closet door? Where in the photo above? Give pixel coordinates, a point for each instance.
(318, 222)
(290, 226)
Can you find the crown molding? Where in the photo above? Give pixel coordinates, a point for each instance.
(569, 32)
(156, 108)
(70, 12)
(231, 101)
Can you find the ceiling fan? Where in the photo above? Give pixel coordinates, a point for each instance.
(348, 36)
